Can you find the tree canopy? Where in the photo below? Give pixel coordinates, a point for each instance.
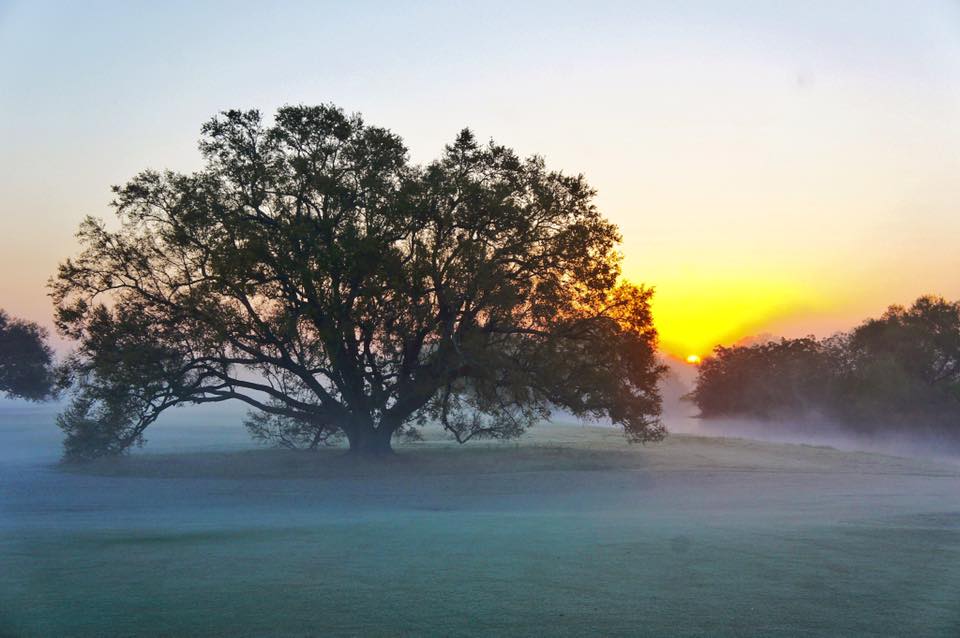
(903, 367)
(26, 361)
(766, 379)
(313, 272)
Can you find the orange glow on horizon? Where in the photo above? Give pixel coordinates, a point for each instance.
(693, 314)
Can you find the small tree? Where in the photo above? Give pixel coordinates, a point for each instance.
(26, 361)
(310, 271)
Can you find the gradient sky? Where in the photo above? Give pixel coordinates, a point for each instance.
(784, 168)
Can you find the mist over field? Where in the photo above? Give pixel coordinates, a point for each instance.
(816, 430)
(810, 427)
(568, 532)
(479, 319)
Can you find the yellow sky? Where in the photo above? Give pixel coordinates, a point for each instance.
(784, 168)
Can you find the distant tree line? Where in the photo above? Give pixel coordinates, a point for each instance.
(903, 367)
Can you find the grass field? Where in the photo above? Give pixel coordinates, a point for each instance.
(572, 532)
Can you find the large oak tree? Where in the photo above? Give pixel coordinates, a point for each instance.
(315, 273)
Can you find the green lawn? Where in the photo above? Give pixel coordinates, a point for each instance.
(572, 533)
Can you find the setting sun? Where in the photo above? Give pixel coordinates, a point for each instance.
(382, 281)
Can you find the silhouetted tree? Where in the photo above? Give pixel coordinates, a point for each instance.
(765, 380)
(901, 369)
(907, 362)
(311, 271)
(26, 361)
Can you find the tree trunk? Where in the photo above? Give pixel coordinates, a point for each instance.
(370, 441)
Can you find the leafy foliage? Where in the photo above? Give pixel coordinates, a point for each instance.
(26, 361)
(766, 379)
(900, 367)
(311, 271)
(101, 420)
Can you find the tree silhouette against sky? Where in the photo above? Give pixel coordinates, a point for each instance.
(26, 361)
(314, 273)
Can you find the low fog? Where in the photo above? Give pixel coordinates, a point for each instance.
(810, 428)
(816, 430)
(569, 531)
(728, 527)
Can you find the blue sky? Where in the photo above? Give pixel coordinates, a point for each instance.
(779, 167)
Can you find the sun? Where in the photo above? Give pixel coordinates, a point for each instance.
(693, 359)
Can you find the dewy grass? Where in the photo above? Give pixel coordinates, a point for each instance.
(569, 533)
